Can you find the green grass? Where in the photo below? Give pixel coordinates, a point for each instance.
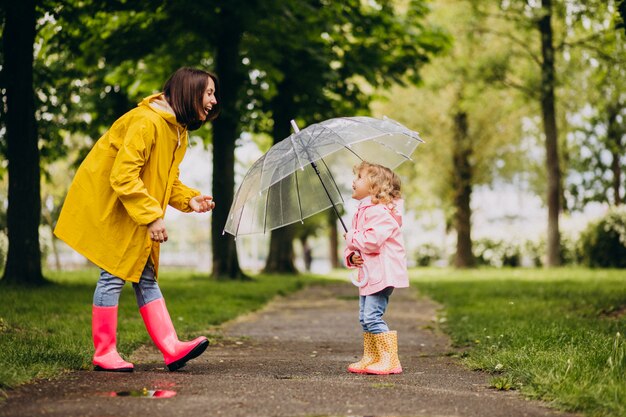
(47, 331)
(557, 335)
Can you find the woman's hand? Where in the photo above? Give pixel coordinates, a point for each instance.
(157, 231)
(202, 203)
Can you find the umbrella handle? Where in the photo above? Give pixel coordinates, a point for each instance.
(355, 277)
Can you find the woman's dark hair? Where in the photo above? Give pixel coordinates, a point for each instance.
(184, 92)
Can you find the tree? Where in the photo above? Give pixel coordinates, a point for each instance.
(598, 138)
(536, 75)
(226, 131)
(23, 266)
(470, 125)
(551, 135)
(127, 52)
(324, 71)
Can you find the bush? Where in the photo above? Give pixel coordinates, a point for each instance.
(603, 243)
(535, 251)
(496, 253)
(427, 254)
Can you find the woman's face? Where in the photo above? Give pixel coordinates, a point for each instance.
(360, 186)
(208, 99)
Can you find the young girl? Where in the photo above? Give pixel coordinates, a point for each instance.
(114, 209)
(375, 245)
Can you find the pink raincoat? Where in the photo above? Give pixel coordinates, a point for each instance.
(377, 236)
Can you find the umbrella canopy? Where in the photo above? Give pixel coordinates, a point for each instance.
(309, 171)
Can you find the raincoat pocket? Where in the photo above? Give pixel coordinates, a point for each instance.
(373, 267)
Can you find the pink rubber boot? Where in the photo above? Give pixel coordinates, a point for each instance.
(104, 329)
(161, 330)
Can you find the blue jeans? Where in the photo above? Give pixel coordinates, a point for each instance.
(109, 288)
(371, 310)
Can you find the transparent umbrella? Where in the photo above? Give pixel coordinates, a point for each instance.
(309, 171)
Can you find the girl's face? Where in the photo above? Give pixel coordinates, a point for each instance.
(208, 99)
(360, 186)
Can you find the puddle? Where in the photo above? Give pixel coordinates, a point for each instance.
(144, 393)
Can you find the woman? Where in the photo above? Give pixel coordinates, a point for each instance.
(114, 209)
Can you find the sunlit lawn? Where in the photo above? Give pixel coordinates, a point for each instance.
(556, 334)
(47, 330)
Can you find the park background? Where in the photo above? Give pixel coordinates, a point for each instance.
(521, 105)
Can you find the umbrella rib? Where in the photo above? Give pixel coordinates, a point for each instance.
(267, 199)
(333, 180)
(373, 139)
(337, 142)
(293, 146)
(243, 207)
(297, 160)
(390, 148)
(412, 136)
(298, 195)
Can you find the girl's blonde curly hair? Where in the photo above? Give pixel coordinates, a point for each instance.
(384, 184)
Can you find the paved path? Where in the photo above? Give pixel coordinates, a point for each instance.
(290, 359)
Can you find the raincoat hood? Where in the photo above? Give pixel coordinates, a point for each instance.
(159, 104)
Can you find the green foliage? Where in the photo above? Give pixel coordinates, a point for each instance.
(603, 243)
(503, 383)
(427, 254)
(555, 335)
(460, 81)
(595, 118)
(497, 253)
(320, 59)
(37, 340)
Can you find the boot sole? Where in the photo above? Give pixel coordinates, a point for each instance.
(194, 353)
(101, 369)
(393, 371)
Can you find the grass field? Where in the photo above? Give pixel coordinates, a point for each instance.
(46, 331)
(557, 335)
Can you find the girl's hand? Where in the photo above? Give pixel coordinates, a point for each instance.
(357, 260)
(202, 203)
(157, 231)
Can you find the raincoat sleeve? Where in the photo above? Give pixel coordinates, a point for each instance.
(347, 253)
(377, 228)
(181, 194)
(125, 174)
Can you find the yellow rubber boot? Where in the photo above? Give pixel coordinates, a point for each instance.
(370, 355)
(388, 361)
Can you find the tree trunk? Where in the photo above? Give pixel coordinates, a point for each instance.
(464, 258)
(622, 12)
(23, 266)
(614, 140)
(225, 133)
(550, 129)
(333, 240)
(280, 258)
(307, 253)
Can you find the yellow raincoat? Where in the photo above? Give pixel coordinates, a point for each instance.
(126, 182)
